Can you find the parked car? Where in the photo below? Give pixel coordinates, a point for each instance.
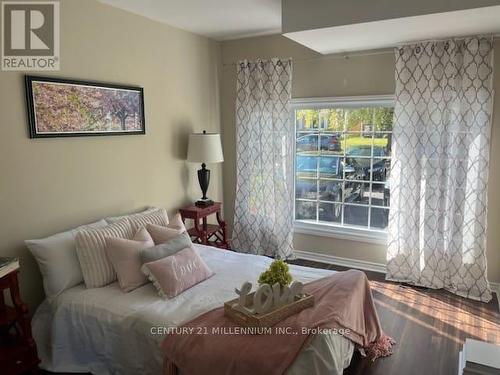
(309, 142)
(355, 157)
(366, 150)
(328, 167)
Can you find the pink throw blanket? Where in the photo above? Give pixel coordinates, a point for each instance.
(343, 301)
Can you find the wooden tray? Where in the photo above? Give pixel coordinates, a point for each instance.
(269, 319)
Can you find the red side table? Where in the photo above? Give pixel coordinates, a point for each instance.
(202, 232)
(18, 353)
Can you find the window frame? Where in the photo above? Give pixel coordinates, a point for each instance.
(325, 229)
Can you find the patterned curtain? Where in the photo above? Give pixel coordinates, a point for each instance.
(441, 142)
(264, 159)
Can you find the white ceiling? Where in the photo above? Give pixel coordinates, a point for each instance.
(234, 19)
(217, 19)
(390, 33)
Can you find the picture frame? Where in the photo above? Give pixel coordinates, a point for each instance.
(60, 107)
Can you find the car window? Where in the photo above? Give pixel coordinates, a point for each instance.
(329, 164)
(306, 163)
(366, 151)
(359, 151)
(379, 151)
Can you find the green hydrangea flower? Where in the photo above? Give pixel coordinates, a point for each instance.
(276, 273)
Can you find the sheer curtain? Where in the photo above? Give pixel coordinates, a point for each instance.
(441, 141)
(264, 159)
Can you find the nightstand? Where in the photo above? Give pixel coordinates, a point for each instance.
(18, 353)
(202, 232)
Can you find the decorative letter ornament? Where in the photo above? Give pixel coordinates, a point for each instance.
(266, 298)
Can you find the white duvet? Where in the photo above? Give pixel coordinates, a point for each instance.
(107, 331)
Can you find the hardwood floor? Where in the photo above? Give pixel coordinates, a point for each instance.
(429, 327)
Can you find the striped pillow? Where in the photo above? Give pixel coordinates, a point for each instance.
(96, 268)
(157, 217)
(114, 219)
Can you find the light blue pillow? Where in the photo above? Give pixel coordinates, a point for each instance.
(166, 249)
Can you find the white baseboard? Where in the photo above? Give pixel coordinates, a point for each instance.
(339, 261)
(363, 265)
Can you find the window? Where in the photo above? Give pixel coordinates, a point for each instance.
(342, 163)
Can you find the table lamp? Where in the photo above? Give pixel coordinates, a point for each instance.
(204, 148)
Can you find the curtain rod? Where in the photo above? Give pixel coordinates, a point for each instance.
(492, 37)
(333, 56)
(347, 55)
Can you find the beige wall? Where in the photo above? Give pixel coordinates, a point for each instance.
(313, 76)
(48, 185)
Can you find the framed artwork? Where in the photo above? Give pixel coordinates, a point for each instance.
(70, 108)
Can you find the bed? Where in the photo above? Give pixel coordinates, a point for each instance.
(107, 331)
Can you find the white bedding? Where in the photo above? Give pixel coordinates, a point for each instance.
(107, 331)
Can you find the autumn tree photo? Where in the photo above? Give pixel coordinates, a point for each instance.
(61, 107)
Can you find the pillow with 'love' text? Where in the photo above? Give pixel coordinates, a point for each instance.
(175, 274)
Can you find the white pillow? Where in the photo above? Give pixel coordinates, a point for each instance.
(57, 260)
(97, 270)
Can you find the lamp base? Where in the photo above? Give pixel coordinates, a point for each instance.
(204, 202)
(204, 180)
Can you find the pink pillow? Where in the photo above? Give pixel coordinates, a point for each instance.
(124, 255)
(161, 234)
(174, 274)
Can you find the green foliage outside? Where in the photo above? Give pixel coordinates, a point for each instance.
(357, 127)
(346, 119)
(276, 273)
(352, 142)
